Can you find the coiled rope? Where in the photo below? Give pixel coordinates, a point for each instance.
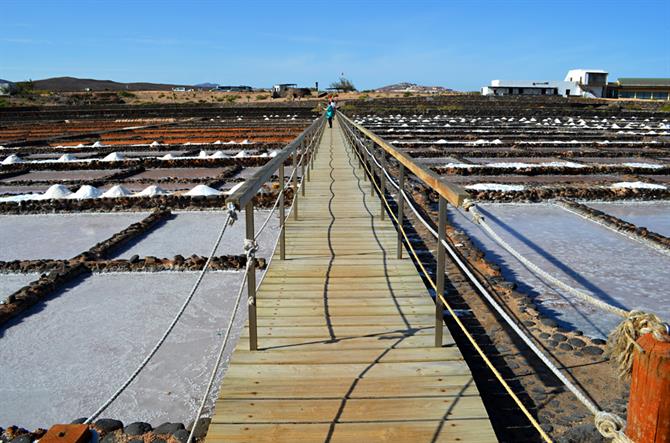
(230, 219)
(609, 425)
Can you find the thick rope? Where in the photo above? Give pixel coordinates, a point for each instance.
(622, 341)
(230, 219)
(608, 425)
(250, 262)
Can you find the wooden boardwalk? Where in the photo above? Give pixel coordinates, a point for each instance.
(346, 334)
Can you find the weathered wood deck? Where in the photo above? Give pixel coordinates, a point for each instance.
(346, 334)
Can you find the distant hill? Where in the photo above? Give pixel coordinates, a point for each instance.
(72, 84)
(206, 85)
(410, 87)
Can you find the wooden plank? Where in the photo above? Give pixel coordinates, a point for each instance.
(346, 334)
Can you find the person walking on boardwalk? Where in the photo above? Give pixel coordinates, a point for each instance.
(330, 113)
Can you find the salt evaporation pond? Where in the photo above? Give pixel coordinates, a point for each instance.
(58, 236)
(62, 359)
(653, 215)
(194, 233)
(10, 283)
(616, 269)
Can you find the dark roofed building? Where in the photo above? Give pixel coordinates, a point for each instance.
(640, 88)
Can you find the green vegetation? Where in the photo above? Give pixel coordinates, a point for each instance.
(407, 94)
(126, 94)
(364, 97)
(232, 98)
(3, 103)
(665, 108)
(344, 85)
(261, 97)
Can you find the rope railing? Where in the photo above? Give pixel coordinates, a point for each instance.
(306, 143)
(609, 425)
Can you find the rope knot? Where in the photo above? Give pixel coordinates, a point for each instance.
(232, 213)
(622, 341)
(611, 426)
(250, 248)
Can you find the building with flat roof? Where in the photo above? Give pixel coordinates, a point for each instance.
(577, 83)
(640, 88)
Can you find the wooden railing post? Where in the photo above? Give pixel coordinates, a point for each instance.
(401, 206)
(295, 185)
(251, 280)
(439, 271)
(302, 170)
(282, 215)
(382, 185)
(371, 163)
(649, 400)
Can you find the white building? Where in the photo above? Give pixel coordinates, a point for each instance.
(577, 83)
(7, 87)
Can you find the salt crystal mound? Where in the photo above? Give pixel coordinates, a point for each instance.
(12, 160)
(86, 192)
(642, 165)
(495, 187)
(234, 188)
(274, 153)
(202, 190)
(202, 154)
(152, 191)
(98, 144)
(114, 157)
(242, 154)
(636, 185)
(218, 154)
(116, 191)
(245, 142)
(459, 165)
(56, 192)
(154, 143)
(167, 156)
(67, 158)
(218, 142)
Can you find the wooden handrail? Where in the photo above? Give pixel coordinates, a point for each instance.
(453, 193)
(245, 193)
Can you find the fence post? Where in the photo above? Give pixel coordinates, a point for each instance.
(382, 183)
(401, 206)
(295, 185)
(371, 162)
(302, 169)
(649, 400)
(439, 271)
(282, 215)
(251, 280)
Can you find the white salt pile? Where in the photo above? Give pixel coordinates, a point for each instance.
(86, 191)
(116, 191)
(495, 187)
(274, 152)
(98, 144)
(202, 190)
(218, 142)
(114, 157)
(151, 191)
(643, 165)
(234, 188)
(242, 154)
(441, 141)
(218, 154)
(67, 158)
(12, 159)
(167, 156)
(154, 143)
(57, 191)
(636, 185)
(245, 142)
(202, 154)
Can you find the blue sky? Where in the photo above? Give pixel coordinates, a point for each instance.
(457, 44)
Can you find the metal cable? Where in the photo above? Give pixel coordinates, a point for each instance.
(609, 425)
(230, 219)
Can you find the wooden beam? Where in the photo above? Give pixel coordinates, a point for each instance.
(453, 193)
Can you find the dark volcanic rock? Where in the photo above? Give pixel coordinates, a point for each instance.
(592, 350)
(181, 436)
(168, 428)
(137, 428)
(577, 342)
(108, 425)
(549, 322)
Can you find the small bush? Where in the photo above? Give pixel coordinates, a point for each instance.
(3, 103)
(407, 94)
(126, 94)
(232, 98)
(261, 97)
(665, 108)
(363, 96)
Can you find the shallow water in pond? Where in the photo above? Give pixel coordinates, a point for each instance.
(653, 215)
(579, 252)
(62, 359)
